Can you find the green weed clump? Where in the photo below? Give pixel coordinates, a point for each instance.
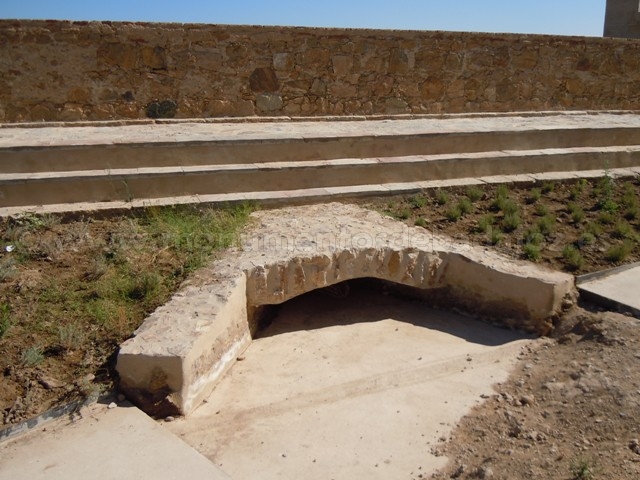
(594, 228)
(623, 229)
(632, 213)
(532, 252)
(495, 236)
(618, 253)
(547, 225)
(442, 197)
(465, 206)
(403, 214)
(511, 222)
(578, 189)
(420, 222)
(454, 213)
(534, 195)
(606, 218)
(501, 198)
(474, 193)
(583, 469)
(485, 223)
(576, 212)
(542, 210)
(417, 201)
(548, 187)
(572, 257)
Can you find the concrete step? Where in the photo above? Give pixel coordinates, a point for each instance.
(314, 195)
(24, 189)
(63, 165)
(60, 158)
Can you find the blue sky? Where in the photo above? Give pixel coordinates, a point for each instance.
(556, 17)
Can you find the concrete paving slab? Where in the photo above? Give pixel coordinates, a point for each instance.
(121, 443)
(193, 131)
(616, 288)
(355, 387)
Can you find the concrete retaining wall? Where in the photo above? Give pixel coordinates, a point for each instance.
(53, 70)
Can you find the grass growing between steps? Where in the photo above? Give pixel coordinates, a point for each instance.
(72, 290)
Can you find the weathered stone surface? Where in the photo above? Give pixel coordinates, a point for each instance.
(51, 65)
(264, 80)
(341, 64)
(269, 102)
(181, 350)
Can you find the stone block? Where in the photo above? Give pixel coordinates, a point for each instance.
(269, 102)
(342, 65)
(264, 80)
(175, 357)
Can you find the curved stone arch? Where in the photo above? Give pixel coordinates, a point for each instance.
(184, 347)
(281, 281)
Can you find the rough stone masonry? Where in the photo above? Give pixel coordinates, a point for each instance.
(69, 71)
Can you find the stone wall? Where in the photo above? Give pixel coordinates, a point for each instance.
(51, 70)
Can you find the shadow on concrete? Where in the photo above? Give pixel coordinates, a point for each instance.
(372, 300)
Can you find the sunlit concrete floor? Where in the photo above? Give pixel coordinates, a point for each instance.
(357, 387)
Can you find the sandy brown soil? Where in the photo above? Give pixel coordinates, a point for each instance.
(569, 411)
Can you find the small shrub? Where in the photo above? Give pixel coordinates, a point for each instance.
(511, 221)
(548, 187)
(606, 218)
(576, 212)
(632, 213)
(629, 197)
(534, 195)
(572, 257)
(465, 206)
(442, 197)
(533, 235)
(495, 236)
(604, 188)
(547, 225)
(607, 205)
(32, 356)
(532, 252)
(582, 469)
(454, 213)
(417, 201)
(594, 228)
(421, 222)
(586, 239)
(485, 223)
(542, 210)
(622, 229)
(618, 253)
(474, 193)
(578, 189)
(71, 336)
(502, 191)
(403, 214)
(509, 207)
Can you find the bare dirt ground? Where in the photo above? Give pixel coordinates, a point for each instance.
(569, 411)
(72, 289)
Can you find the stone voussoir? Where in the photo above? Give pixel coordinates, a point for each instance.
(183, 348)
